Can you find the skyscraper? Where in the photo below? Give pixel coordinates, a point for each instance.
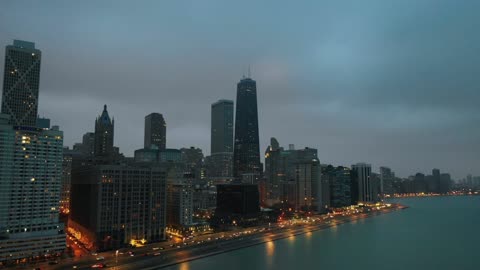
(104, 135)
(30, 164)
(365, 189)
(220, 162)
(246, 153)
(222, 126)
(20, 83)
(155, 131)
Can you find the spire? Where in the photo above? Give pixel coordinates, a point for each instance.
(105, 107)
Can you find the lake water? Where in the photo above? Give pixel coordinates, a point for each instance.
(434, 233)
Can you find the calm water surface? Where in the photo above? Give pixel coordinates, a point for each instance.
(434, 233)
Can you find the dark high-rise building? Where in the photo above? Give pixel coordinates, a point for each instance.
(222, 126)
(21, 82)
(155, 131)
(363, 188)
(237, 199)
(113, 206)
(246, 156)
(104, 127)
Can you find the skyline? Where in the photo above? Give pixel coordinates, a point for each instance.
(440, 129)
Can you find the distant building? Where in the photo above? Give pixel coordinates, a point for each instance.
(21, 80)
(339, 179)
(104, 128)
(170, 155)
(282, 179)
(219, 166)
(222, 127)
(68, 156)
(237, 204)
(30, 163)
(180, 205)
(155, 131)
(308, 181)
(43, 123)
(387, 177)
(246, 156)
(113, 206)
(365, 189)
(194, 162)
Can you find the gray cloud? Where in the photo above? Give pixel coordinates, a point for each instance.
(388, 82)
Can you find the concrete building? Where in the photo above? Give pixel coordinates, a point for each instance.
(222, 127)
(308, 186)
(155, 131)
(364, 188)
(282, 177)
(116, 205)
(387, 176)
(237, 204)
(30, 163)
(21, 82)
(340, 181)
(104, 128)
(219, 165)
(180, 205)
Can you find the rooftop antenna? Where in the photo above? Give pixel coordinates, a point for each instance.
(249, 75)
(243, 71)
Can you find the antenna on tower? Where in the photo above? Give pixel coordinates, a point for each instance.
(249, 75)
(243, 72)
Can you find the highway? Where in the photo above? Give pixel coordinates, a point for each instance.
(163, 254)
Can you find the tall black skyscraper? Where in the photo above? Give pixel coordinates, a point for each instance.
(246, 153)
(20, 83)
(104, 135)
(155, 131)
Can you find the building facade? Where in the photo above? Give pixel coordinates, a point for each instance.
(104, 128)
(116, 205)
(365, 188)
(155, 131)
(21, 82)
(222, 127)
(30, 163)
(246, 156)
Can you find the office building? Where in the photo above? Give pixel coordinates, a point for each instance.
(68, 156)
(237, 204)
(112, 206)
(281, 175)
(308, 186)
(104, 128)
(21, 82)
(246, 156)
(339, 179)
(222, 127)
(363, 186)
(387, 176)
(155, 131)
(30, 163)
(179, 205)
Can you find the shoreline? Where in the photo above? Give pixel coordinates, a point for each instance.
(216, 249)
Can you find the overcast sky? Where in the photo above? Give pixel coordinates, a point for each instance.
(392, 83)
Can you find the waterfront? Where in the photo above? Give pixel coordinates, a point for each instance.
(434, 233)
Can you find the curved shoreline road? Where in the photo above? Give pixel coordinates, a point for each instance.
(204, 245)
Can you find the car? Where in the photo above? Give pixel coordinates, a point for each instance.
(156, 254)
(99, 265)
(52, 262)
(74, 267)
(155, 248)
(101, 258)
